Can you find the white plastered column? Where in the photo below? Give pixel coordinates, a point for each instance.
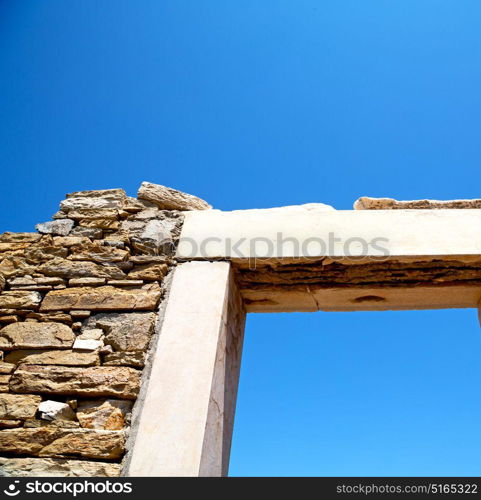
(185, 425)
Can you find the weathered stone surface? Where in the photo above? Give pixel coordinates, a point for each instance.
(89, 213)
(98, 253)
(125, 331)
(29, 335)
(64, 268)
(9, 237)
(149, 272)
(86, 281)
(367, 203)
(125, 282)
(103, 298)
(10, 424)
(108, 414)
(170, 199)
(57, 227)
(135, 359)
(64, 358)
(70, 241)
(18, 406)
(54, 442)
(99, 223)
(121, 382)
(50, 467)
(17, 299)
(94, 200)
(4, 381)
(55, 410)
(88, 232)
(6, 368)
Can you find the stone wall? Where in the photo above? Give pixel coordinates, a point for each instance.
(78, 309)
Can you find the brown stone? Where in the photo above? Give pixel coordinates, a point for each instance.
(54, 442)
(79, 269)
(99, 223)
(107, 415)
(149, 272)
(6, 368)
(18, 406)
(10, 424)
(135, 359)
(367, 203)
(98, 253)
(121, 382)
(63, 358)
(9, 237)
(19, 300)
(125, 331)
(86, 282)
(103, 298)
(56, 467)
(170, 199)
(29, 335)
(93, 213)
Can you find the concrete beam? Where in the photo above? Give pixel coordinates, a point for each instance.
(186, 422)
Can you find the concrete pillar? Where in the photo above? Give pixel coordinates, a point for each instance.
(185, 425)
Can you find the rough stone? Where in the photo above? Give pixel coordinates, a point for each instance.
(125, 331)
(6, 368)
(9, 237)
(18, 406)
(54, 442)
(170, 199)
(88, 232)
(121, 382)
(63, 358)
(57, 227)
(99, 223)
(20, 300)
(86, 281)
(98, 253)
(50, 467)
(55, 410)
(135, 359)
(36, 336)
(107, 415)
(149, 272)
(367, 203)
(67, 269)
(103, 298)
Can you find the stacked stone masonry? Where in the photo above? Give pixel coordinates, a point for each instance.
(78, 311)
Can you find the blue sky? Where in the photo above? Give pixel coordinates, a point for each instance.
(268, 103)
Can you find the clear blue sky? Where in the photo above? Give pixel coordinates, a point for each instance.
(267, 103)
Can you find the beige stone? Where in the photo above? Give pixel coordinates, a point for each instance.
(170, 199)
(63, 358)
(86, 281)
(135, 359)
(103, 298)
(79, 269)
(36, 336)
(6, 368)
(20, 300)
(99, 223)
(10, 237)
(149, 272)
(121, 382)
(125, 331)
(18, 406)
(50, 467)
(55, 442)
(107, 415)
(10, 424)
(98, 253)
(367, 203)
